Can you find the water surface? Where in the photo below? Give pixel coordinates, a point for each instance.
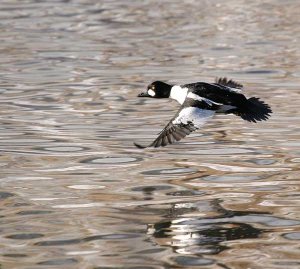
(76, 193)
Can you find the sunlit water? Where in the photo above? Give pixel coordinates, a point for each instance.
(76, 193)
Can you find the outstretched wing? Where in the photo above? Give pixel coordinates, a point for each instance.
(186, 120)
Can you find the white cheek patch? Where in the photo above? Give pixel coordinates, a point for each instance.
(151, 92)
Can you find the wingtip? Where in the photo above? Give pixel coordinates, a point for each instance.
(139, 146)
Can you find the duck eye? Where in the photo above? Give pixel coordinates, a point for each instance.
(153, 87)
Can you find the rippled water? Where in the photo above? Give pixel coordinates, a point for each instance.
(76, 193)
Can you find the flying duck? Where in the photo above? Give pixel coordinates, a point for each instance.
(199, 102)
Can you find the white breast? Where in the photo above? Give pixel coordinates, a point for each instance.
(179, 94)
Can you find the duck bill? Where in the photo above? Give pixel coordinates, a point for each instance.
(144, 94)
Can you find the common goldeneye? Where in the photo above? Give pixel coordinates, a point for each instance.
(199, 102)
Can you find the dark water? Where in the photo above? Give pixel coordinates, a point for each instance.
(76, 193)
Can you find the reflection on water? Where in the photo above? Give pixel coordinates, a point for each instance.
(196, 235)
(76, 193)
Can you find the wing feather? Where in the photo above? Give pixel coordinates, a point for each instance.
(186, 120)
(229, 83)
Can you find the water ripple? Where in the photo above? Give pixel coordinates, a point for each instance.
(24, 236)
(111, 160)
(58, 262)
(192, 261)
(168, 171)
(86, 239)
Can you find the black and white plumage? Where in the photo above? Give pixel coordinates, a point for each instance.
(199, 102)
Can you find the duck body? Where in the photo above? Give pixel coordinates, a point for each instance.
(199, 102)
(214, 92)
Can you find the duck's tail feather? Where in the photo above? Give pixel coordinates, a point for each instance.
(253, 110)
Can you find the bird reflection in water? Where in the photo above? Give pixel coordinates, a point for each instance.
(188, 234)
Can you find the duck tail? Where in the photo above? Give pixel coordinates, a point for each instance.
(253, 110)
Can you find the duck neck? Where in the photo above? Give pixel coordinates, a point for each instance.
(178, 93)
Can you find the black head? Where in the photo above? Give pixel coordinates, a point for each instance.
(157, 89)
